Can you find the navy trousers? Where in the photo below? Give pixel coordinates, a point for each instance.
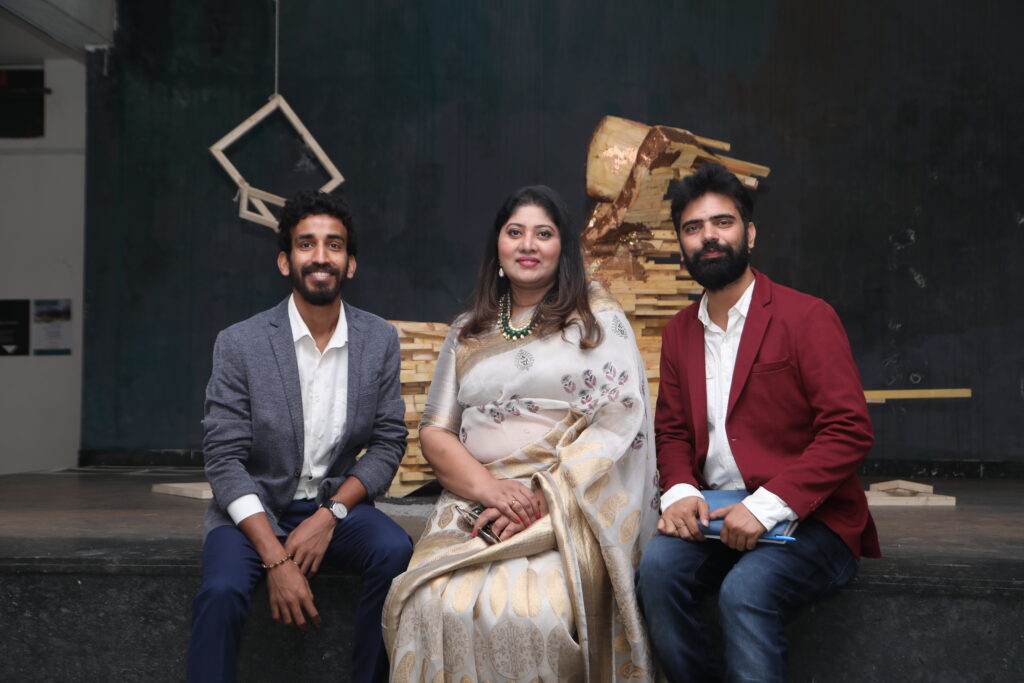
(757, 591)
(367, 542)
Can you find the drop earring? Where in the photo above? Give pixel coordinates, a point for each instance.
(501, 272)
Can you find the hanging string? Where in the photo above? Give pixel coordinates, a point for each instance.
(277, 40)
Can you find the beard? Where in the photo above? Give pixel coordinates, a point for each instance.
(716, 273)
(322, 293)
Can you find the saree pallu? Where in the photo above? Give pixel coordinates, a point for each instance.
(554, 602)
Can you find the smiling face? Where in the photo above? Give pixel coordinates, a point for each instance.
(319, 262)
(529, 246)
(715, 243)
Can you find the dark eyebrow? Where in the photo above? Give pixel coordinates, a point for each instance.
(540, 225)
(309, 236)
(716, 217)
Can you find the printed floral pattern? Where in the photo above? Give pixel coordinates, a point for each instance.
(524, 359)
(609, 371)
(589, 397)
(588, 391)
(618, 328)
(497, 411)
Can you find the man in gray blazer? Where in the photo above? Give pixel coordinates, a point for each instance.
(296, 394)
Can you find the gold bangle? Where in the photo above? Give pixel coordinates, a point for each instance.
(278, 563)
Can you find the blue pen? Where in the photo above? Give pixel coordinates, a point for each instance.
(779, 538)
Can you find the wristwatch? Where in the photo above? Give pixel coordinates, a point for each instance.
(337, 509)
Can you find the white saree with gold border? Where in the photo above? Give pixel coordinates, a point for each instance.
(554, 602)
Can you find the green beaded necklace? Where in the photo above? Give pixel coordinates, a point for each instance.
(507, 330)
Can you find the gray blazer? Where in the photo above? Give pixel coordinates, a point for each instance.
(253, 441)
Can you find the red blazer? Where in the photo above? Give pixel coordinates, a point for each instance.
(797, 420)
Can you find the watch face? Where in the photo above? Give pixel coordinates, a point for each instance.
(338, 509)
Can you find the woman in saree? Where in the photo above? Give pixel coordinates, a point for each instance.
(537, 421)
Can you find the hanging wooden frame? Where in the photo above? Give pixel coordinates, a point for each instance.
(252, 204)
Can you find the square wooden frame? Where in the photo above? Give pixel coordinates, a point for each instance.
(252, 198)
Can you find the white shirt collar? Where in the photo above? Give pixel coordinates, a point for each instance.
(300, 329)
(739, 309)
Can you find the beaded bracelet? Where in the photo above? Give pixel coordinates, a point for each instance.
(279, 562)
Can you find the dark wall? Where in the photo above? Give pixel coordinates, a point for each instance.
(893, 130)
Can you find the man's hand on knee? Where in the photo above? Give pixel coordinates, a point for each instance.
(291, 600)
(308, 542)
(740, 529)
(684, 517)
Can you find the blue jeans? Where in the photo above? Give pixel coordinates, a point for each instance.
(757, 591)
(367, 542)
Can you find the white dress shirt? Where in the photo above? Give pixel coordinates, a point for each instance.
(720, 469)
(323, 383)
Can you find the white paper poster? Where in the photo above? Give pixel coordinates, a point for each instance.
(51, 327)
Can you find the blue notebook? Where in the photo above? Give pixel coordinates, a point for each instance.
(720, 498)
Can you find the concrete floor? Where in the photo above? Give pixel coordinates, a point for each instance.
(110, 515)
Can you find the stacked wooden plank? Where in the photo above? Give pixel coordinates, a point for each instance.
(629, 245)
(629, 242)
(421, 344)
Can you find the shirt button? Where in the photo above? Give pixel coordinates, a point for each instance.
(296, 473)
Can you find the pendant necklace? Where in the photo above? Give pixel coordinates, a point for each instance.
(507, 330)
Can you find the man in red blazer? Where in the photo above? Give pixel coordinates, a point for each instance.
(759, 392)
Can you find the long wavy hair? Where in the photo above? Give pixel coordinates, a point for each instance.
(566, 303)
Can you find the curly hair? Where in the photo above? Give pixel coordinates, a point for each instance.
(314, 203)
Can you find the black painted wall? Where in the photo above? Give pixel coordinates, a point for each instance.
(893, 130)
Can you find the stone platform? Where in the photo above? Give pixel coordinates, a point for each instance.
(97, 576)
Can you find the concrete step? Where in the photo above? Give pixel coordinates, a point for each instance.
(97, 576)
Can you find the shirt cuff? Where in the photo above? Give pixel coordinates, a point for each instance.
(677, 493)
(768, 508)
(244, 506)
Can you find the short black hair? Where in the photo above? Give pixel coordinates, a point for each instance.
(314, 203)
(711, 178)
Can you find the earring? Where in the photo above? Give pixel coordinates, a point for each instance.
(501, 272)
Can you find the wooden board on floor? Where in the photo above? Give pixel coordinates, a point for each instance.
(194, 489)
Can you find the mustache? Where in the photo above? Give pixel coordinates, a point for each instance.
(715, 246)
(324, 267)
